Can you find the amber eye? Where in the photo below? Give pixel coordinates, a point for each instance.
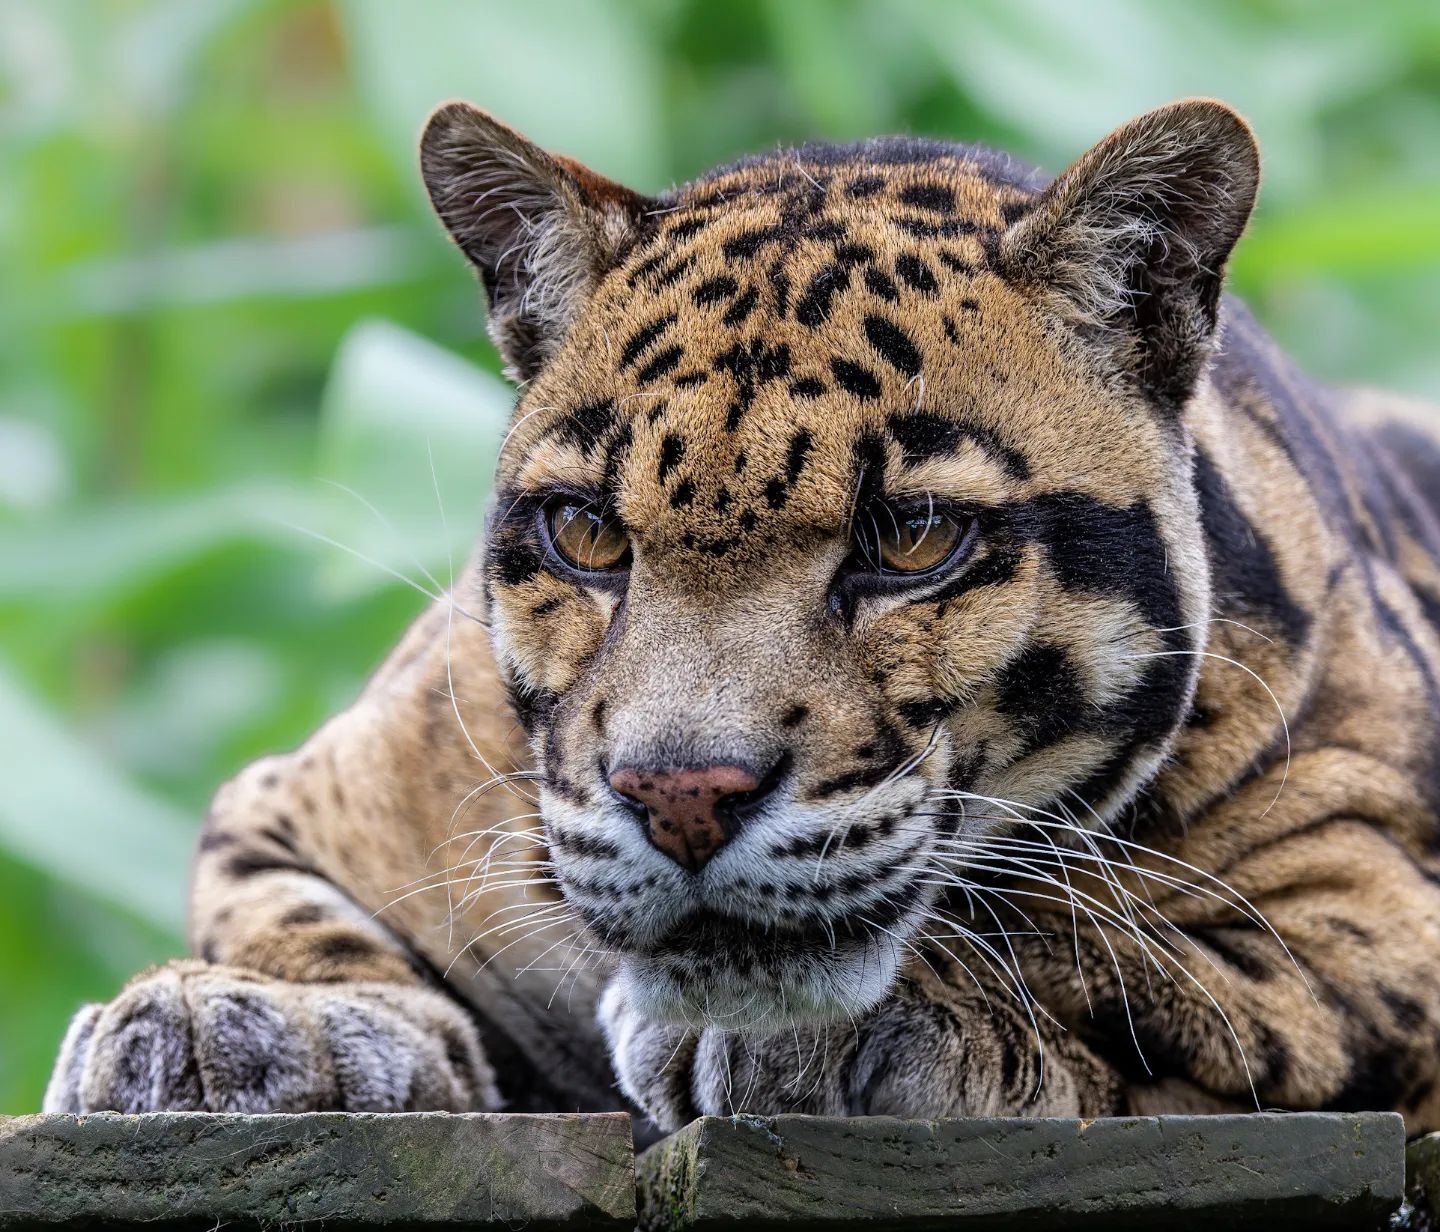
(585, 537)
(910, 541)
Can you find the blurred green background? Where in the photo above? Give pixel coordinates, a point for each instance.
(232, 340)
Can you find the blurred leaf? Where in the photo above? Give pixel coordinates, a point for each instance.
(1351, 233)
(576, 76)
(411, 433)
(64, 810)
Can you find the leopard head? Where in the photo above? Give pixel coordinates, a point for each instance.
(845, 517)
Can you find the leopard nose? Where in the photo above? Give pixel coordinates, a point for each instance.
(691, 813)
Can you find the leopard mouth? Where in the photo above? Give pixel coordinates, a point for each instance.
(714, 969)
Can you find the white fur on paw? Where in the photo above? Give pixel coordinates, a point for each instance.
(63, 1092)
(652, 1061)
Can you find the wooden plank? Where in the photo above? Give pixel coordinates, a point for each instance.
(1262, 1171)
(351, 1170)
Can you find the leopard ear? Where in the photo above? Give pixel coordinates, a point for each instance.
(541, 229)
(1130, 243)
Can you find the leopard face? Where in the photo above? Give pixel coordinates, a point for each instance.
(846, 517)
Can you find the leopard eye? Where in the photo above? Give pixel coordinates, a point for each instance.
(910, 541)
(587, 538)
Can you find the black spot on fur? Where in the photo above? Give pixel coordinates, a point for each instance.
(865, 186)
(748, 243)
(644, 269)
(684, 494)
(854, 254)
(671, 273)
(936, 197)
(881, 284)
(686, 380)
(666, 361)
(794, 716)
(515, 562)
(957, 263)
(916, 273)
(751, 366)
(893, 345)
(545, 607)
(800, 445)
(672, 451)
(856, 380)
(713, 290)
(813, 308)
(741, 308)
(776, 493)
(807, 387)
(1041, 693)
(642, 339)
(925, 229)
(780, 286)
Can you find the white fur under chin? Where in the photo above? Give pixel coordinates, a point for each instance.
(811, 989)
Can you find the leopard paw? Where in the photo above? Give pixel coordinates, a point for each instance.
(191, 1036)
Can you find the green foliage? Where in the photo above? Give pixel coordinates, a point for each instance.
(243, 381)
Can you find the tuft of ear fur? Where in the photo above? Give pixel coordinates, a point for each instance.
(541, 229)
(1130, 243)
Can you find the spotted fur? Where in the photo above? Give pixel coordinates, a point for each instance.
(1133, 807)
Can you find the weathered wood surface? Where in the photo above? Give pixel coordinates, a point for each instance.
(1271, 1172)
(403, 1171)
(1422, 1186)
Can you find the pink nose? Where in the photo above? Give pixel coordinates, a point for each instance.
(687, 809)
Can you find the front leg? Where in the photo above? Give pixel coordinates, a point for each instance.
(939, 1046)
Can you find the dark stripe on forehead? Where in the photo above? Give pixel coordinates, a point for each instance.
(587, 425)
(922, 435)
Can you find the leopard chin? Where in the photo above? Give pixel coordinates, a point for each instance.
(716, 971)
